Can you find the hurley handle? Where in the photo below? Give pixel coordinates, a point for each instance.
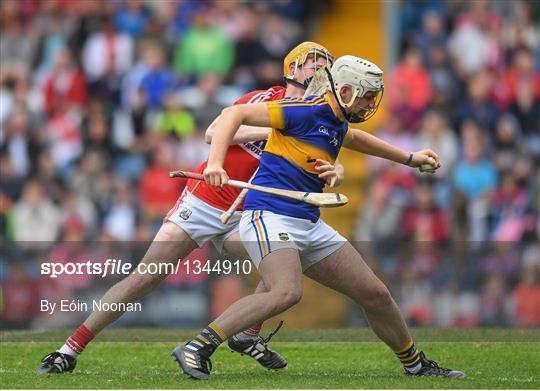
(186, 174)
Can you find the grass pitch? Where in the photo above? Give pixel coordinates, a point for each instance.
(318, 359)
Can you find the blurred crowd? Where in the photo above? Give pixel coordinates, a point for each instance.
(467, 85)
(100, 99)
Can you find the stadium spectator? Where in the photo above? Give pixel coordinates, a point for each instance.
(107, 54)
(526, 294)
(65, 86)
(444, 81)
(203, 49)
(157, 195)
(11, 184)
(503, 260)
(424, 221)
(526, 109)
(493, 301)
(521, 71)
(475, 180)
(249, 50)
(380, 216)
(410, 90)
(120, 221)
(20, 298)
(175, 120)
(158, 82)
(435, 133)
(65, 139)
(132, 18)
(473, 44)
(89, 179)
(51, 179)
(54, 39)
(433, 34)
(478, 105)
(210, 107)
(35, 210)
(78, 216)
(17, 44)
(507, 143)
(16, 141)
(508, 209)
(278, 36)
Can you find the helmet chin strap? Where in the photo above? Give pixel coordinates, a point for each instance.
(352, 117)
(295, 83)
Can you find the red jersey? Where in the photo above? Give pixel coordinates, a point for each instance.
(241, 160)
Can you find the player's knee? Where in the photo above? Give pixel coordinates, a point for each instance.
(288, 297)
(379, 297)
(169, 232)
(143, 282)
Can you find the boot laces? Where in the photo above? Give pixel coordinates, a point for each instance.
(269, 337)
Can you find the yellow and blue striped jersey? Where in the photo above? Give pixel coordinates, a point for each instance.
(303, 130)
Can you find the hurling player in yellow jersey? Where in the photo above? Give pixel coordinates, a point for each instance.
(286, 238)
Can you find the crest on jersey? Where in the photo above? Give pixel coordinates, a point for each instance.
(184, 213)
(254, 148)
(334, 142)
(283, 236)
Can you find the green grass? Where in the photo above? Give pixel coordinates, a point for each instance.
(317, 359)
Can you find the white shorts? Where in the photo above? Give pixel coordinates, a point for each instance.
(263, 232)
(201, 221)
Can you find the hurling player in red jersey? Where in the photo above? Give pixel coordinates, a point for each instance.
(195, 219)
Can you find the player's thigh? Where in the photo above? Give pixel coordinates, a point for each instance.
(170, 244)
(234, 246)
(346, 272)
(281, 270)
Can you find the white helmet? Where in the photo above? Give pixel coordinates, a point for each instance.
(362, 75)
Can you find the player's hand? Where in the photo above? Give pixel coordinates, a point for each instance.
(332, 174)
(426, 161)
(215, 176)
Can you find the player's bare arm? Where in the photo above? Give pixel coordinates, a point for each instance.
(361, 141)
(244, 134)
(229, 122)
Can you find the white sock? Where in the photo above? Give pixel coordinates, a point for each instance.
(67, 350)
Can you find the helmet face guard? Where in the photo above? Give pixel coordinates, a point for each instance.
(362, 77)
(298, 57)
